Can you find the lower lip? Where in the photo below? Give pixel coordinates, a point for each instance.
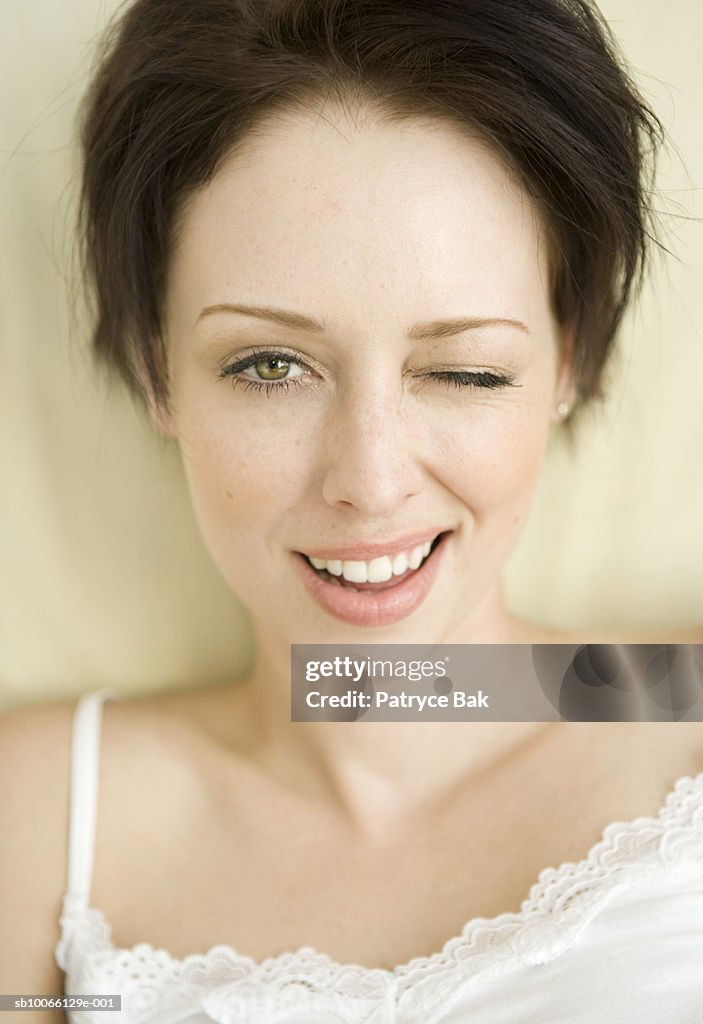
(374, 608)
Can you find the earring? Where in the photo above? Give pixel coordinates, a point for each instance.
(563, 408)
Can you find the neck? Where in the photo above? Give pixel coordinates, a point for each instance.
(376, 772)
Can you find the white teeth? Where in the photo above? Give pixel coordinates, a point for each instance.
(380, 570)
(377, 570)
(415, 557)
(400, 564)
(355, 572)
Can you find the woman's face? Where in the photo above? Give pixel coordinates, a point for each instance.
(350, 419)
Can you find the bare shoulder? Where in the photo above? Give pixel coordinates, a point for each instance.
(179, 724)
(35, 747)
(140, 739)
(155, 752)
(165, 727)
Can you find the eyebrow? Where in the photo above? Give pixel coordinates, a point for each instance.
(418, 332)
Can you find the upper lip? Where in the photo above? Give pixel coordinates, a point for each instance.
(368, 551)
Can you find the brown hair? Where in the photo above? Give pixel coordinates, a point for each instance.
(180, 83)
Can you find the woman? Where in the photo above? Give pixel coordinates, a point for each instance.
(359, 259)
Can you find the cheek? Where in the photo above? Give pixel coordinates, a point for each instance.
(241, 481)
(491, 458)
(494, 473)
(240, 470)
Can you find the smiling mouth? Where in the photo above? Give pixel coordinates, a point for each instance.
(394, 581)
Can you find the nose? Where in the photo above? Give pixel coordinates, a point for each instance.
(370, 452)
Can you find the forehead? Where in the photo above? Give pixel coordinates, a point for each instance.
(334, 211)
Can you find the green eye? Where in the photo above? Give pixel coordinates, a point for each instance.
(271, 372)
(272, 368)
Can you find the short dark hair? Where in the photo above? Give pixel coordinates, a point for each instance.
(179, 84)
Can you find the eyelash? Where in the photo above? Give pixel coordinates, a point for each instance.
(462, 379)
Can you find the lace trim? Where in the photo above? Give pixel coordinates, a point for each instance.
(559, 905)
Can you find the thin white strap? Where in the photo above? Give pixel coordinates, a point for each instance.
(85, 751)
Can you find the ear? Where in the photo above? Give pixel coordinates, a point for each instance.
(565, 387)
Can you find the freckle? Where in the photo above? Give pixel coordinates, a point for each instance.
(229, 494)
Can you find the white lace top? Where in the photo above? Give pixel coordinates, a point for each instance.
(616, 938)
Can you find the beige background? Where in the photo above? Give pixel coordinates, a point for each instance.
(103, 577)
